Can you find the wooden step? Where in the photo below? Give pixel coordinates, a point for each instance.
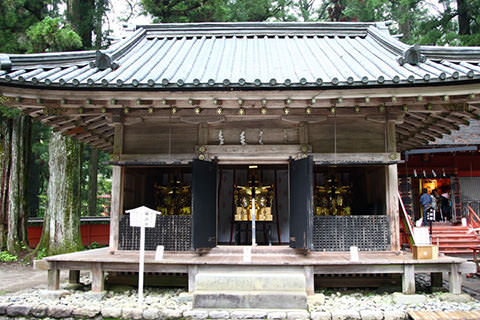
(453, 239)
(459, 242)
(451, 231)
(459, 252)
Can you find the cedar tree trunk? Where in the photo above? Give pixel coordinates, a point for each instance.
(463, 17)
(17, 213)
(61, 223)
(5, 151)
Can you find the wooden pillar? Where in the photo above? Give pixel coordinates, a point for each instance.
(391, 186)
(391, 138)
(192, 273)
(97, 277)
(53, 277)
(117, 189)
(303, 132)
(455, 279)
(202, 134)
(309, 279)
(74, 276)
(408, 279)
(116, 207)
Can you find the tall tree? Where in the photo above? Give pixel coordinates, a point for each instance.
(5, 150)
(186, 11)
(463, 17)
(17, 186)
(61, 224)
(80, 14)
(86, 18)
(16, 17)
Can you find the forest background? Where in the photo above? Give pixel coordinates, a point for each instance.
(37, 164)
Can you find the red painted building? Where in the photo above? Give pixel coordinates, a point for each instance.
(451, 165)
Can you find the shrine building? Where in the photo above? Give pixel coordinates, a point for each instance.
(298, 126)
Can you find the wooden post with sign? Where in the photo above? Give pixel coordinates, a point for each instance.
(142, 217)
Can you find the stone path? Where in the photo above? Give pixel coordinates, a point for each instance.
(16, 276)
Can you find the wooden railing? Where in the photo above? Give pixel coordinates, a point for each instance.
(473, 219)
(407, 223)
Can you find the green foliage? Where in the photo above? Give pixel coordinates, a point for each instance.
(219, 10)
(255, 10)
(86, 18)
(95, 245)
(6, 110)
(7, 257)
(185, 11)
(442, 28)
(41, 253)
(51, 34)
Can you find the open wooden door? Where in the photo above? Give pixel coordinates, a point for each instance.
(301, 203)
(204, 204)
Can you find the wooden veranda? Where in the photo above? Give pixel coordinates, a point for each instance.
(100, 261)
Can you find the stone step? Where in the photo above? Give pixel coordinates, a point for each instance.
(249, 300)
(250, 280)
(255, 250)
(254, 286)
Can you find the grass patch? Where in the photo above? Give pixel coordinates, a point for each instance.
(5, 256)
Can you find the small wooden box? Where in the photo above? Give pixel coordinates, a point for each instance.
(425, 252)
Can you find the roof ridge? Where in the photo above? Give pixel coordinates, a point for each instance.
(263, 28)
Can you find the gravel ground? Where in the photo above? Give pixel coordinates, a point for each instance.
(121, 302)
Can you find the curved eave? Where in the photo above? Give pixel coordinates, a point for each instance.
(246, 86)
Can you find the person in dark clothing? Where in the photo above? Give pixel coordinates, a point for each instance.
(445, 206)
(426, 202)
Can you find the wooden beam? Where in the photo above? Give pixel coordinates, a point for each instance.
(435, 123)
(80, 94)
(353, 158)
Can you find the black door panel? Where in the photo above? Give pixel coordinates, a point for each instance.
(204, 204)
(301, 203)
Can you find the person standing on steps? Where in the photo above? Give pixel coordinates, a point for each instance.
(426, 202)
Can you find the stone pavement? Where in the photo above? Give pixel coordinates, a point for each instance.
(16, 276)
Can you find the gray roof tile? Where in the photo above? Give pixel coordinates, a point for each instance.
(245, 55)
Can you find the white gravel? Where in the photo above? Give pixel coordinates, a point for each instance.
(80, 302)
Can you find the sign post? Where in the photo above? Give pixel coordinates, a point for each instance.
(142, 217)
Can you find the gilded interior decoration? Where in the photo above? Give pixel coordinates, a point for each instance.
(174, 199)
(333, 199)
(263, 203)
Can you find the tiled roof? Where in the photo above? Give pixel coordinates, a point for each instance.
(247, 55)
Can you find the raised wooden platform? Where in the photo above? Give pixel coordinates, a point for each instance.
(103, 260)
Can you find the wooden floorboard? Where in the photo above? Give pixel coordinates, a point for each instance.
(443, 315)
(260, 256)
